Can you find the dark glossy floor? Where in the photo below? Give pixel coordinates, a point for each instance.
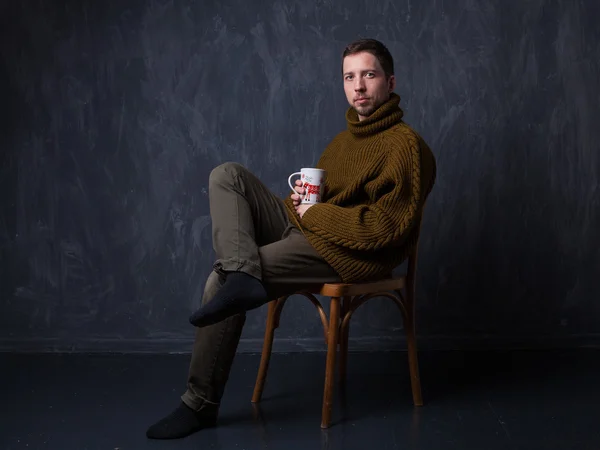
(488, 400)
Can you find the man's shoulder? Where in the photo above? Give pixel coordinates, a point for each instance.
(403, 136)
(339, 139)
(403, 131)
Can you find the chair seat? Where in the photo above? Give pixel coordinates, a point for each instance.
(353, 289)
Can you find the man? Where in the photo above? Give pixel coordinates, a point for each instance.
(379, 173)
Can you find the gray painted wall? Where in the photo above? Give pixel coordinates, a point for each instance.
(115, 113)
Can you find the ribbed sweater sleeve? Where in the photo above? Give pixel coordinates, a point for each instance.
(391, 213)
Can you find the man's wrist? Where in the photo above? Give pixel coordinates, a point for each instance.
(307, 211)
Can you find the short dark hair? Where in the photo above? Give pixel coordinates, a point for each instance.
(377, 49)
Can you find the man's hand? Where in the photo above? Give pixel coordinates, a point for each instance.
(302, 209)
(297, 199)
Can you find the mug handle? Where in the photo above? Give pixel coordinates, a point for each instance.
(290, 180)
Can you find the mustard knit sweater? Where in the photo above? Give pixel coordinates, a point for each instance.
(379, 173)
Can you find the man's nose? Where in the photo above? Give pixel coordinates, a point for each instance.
(359, 84)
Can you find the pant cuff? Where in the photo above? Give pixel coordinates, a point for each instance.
(238, 265)
(195, 402)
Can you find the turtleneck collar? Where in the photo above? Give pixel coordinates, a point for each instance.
(384, 117)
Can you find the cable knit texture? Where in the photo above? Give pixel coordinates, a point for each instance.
(379, 173)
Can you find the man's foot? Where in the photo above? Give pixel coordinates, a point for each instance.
(240, 292)
(181, 423)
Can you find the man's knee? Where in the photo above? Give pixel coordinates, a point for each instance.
(225, 172)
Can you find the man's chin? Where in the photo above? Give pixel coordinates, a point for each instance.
(364, 112)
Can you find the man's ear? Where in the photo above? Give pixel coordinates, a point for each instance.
(391, 83)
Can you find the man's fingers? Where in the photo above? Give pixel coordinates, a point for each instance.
(299, 187)
(295, 200)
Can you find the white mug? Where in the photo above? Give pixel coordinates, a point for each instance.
(313, 182)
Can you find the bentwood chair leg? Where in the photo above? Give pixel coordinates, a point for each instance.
(413, 361)
(344, 335)
(332, 341)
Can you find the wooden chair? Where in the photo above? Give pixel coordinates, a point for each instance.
(345, 299)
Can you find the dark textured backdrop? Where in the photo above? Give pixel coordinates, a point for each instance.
(115, 112)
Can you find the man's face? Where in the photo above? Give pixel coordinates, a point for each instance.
(365, 83)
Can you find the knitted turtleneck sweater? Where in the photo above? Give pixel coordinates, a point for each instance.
(379, 173)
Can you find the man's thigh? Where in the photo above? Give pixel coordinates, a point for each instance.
(291, 264)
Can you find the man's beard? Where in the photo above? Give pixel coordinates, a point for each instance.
(365, 111)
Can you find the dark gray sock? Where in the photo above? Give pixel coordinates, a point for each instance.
(240, 292)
